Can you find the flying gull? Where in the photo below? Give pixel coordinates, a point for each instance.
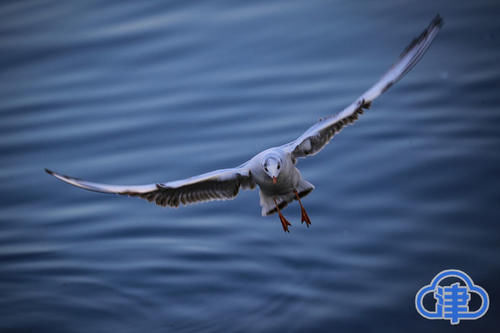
(273, 170)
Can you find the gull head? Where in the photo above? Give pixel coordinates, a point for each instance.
(272, 167)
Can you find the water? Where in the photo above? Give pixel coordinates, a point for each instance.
(137, 92)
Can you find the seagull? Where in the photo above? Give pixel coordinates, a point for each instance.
(273, 170)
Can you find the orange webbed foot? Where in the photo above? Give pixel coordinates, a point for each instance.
(284, 221)
(305, 218)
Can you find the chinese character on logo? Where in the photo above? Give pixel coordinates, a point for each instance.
(452, 302)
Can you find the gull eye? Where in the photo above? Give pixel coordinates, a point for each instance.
(265, 168)
(279, 166)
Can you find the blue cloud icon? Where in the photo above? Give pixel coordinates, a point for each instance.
(452, 302)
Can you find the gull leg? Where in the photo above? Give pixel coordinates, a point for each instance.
(284, 221)
(305, 217)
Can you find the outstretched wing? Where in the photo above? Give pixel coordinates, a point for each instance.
(318, 135)
(217, 185)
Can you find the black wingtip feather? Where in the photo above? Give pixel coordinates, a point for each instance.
(437, 21)
(50, 172)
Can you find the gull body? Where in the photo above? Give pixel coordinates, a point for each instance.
(279, 181)
(273, 170)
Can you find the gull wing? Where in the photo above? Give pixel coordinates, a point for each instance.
(216, 185)
(318, 135)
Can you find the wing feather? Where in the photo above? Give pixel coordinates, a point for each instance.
(217, 185)
(318, 135)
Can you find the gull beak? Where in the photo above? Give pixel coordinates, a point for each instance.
(275, 180)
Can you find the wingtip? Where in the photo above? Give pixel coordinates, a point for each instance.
(50, 172)
(437, 21)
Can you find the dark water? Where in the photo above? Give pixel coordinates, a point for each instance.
(144, 92)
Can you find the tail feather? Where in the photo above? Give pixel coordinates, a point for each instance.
(267, 202)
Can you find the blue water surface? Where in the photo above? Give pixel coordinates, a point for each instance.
(140, 92)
